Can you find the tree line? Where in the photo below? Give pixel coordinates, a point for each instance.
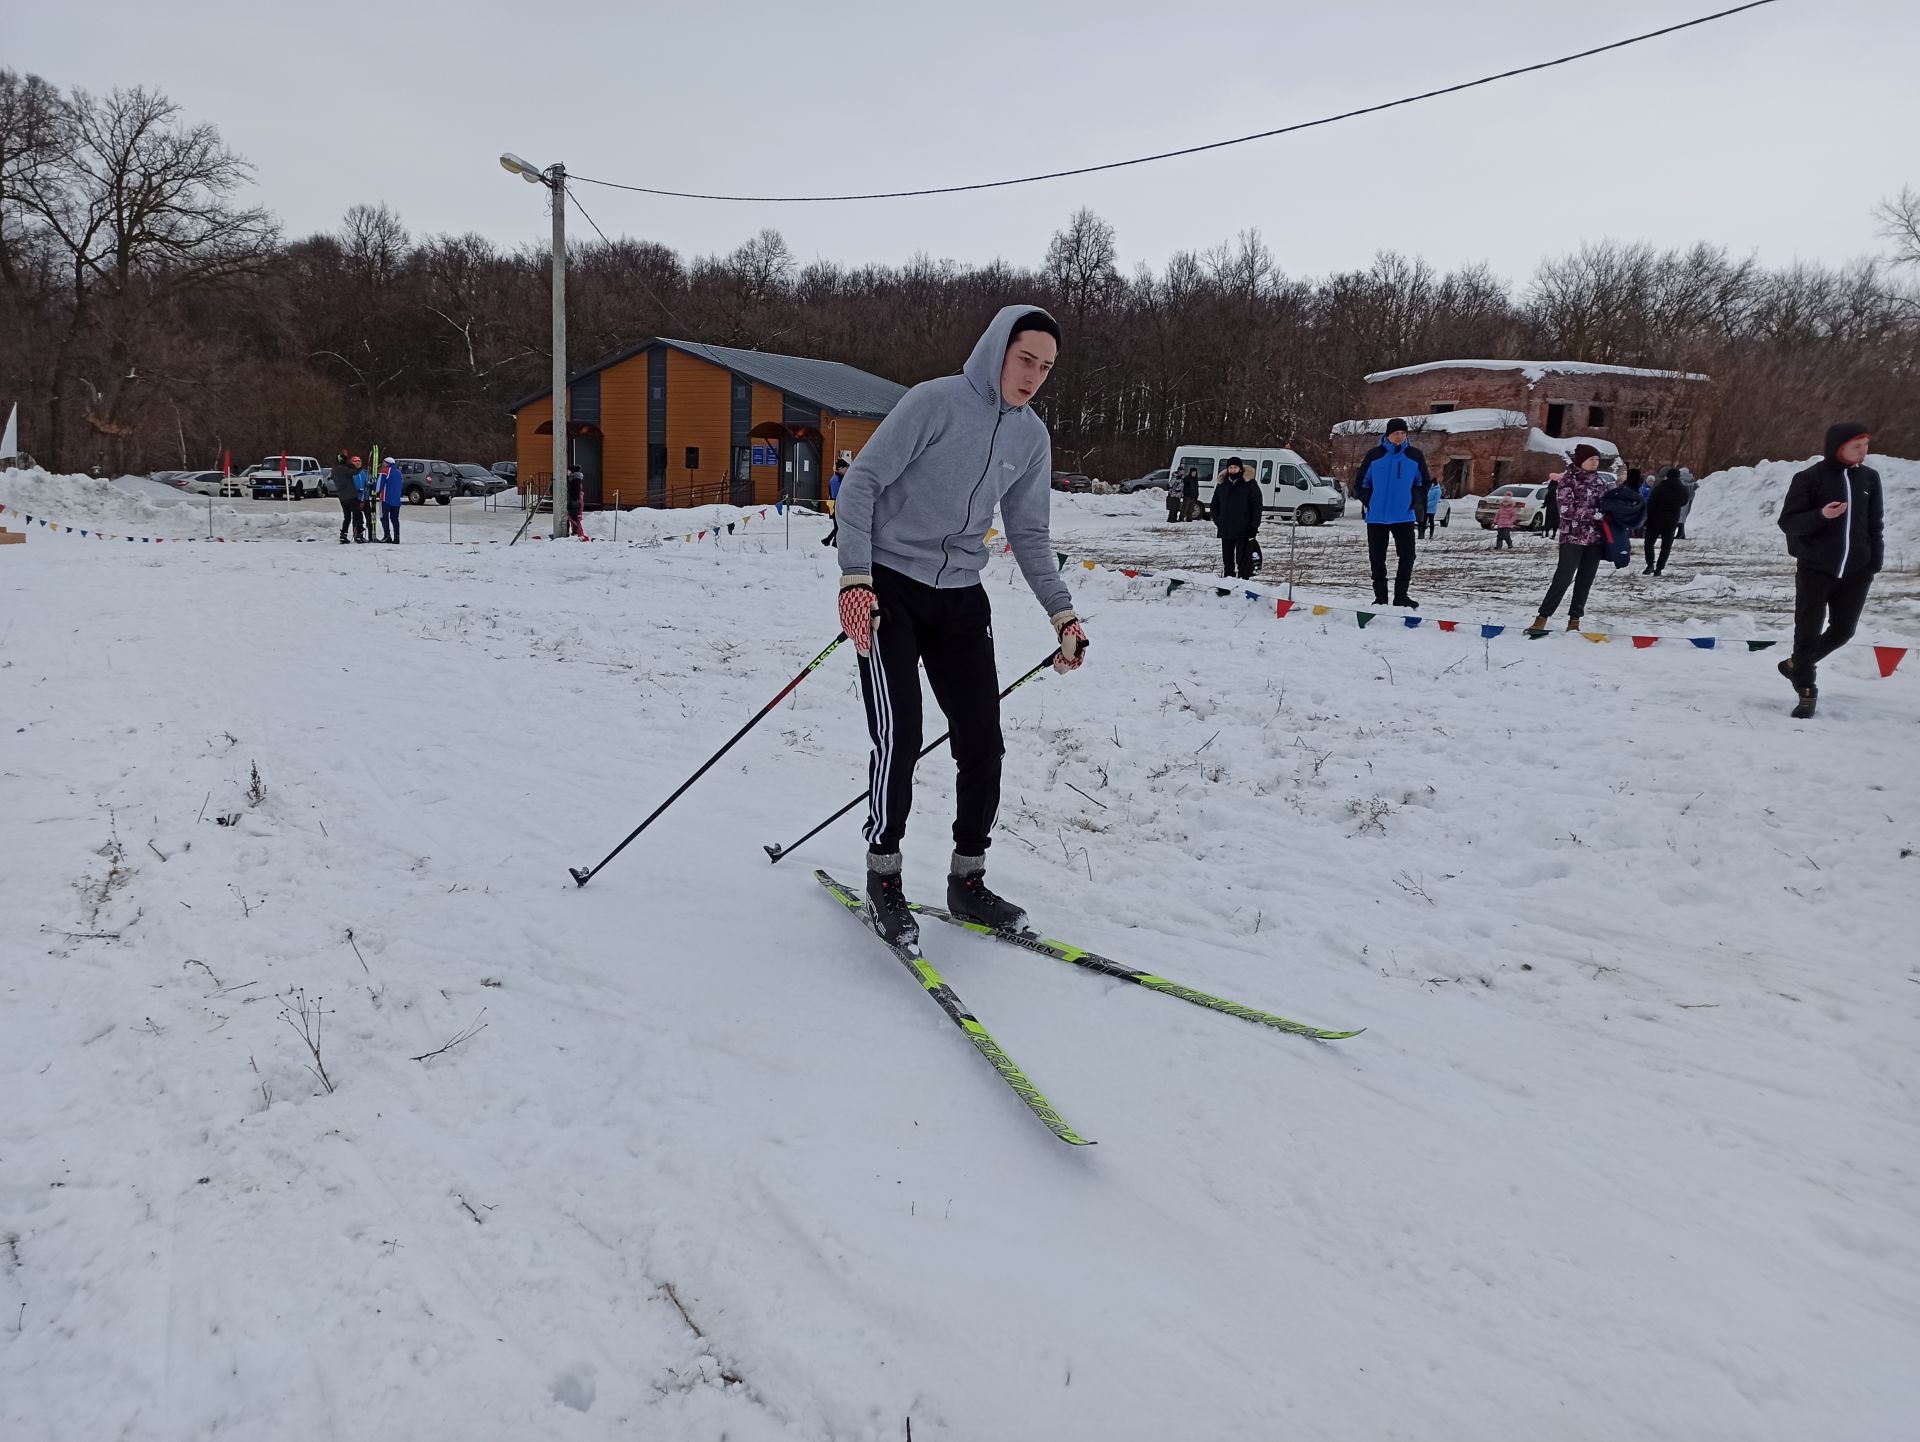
(150, 317)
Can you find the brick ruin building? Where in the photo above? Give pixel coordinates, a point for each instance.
(1485, 423)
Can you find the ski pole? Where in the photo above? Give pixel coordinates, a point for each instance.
(775, 853)
(582, 875)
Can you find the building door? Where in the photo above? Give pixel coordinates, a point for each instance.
(804, 455)
(586, 455)
(1458, 476)
(1556, 420)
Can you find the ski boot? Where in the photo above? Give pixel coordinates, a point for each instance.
(887, 901)
(969, 899)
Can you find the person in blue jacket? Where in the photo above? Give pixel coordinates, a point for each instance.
(391, 494)
(361, 483)
(833, 494)
(1387, 481)
(1431, 515)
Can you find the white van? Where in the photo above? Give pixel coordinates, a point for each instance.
(1288, 485)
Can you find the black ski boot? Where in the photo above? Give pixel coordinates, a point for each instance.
(1804, 711)
(887, 901)
(969, 899)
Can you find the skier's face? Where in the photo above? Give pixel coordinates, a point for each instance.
(1029, 361)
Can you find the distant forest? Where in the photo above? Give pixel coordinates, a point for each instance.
(149, 317)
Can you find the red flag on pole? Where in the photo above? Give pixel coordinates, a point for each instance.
(283, 465)
(226, 464)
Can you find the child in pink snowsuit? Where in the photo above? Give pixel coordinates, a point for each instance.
(1503, 520)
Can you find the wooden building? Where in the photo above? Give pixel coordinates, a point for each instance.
(1484, 423)
(679, 423)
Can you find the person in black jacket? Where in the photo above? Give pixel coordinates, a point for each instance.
(1552, 507)
(576, 502)
(1834, 525)
(1190, 494)
(1669, 499)
(349, 498)
(1236, 516)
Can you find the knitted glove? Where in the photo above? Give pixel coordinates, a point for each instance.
(1073, 641)
(859, 612)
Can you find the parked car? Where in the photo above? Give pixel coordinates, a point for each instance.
(270, 480)
(472, 480)
(1445, 512)
(426, 478)
(176, 479)
(1072, 481)
(213, 483)
(508, 471)
(1289, 487)
(1532, 515)
(1152, 480)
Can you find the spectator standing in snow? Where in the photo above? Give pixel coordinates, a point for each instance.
(362, 518)
(1664, 506)
(913, 525)
(1623, 512)
(1637, 480)
(1236, 517)
(1503, 520)
(1175, 481)
(1388, 482)
(391, 494)
(1552, 506)
(1834, 526)
(576, 502)
(344, 493)
(832, 538)
(1687, 480)
(1582, 546)
(1190, 494)
(1430, 515)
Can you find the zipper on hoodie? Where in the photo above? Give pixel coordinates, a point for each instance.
(946, 556)
(1846, 536)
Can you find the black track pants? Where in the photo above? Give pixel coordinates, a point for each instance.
(1663, 539)
(350, 515)
(950, 632)
(1822, 600)
(1402, 533)
(1577, 567)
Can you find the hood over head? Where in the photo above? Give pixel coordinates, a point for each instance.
(1838, 435)
(990, 351)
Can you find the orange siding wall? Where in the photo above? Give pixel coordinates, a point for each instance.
(845, 435)
(533, 452)
(766, 479)
(623, 423)
(699, 413)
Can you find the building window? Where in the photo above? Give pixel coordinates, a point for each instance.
(742, 463)
(1457, 477)
(1639, 419)
(1596, 415)
(1499, 474)
(1556, 420)
(1439, 408)
(693, 458)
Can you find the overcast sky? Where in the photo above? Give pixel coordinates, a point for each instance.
(1771, 133)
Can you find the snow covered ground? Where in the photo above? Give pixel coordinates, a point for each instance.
(1626, 1150)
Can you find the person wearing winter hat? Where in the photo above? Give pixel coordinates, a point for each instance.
(1834, 526)
(913, 517)
(1582, 543)
(1390, 482)
(389, 490)
(1664, 506)
(344, 492)
(1237, 506)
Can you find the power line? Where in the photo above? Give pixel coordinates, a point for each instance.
(1187, 150)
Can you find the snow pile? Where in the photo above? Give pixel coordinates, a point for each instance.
(133, 505)
(1536, 371)
(1744, 503)
(1539, 440)
(1479, 418)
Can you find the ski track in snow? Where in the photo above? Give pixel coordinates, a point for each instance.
(1626, 1151)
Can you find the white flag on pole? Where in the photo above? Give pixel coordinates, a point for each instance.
(10, 441)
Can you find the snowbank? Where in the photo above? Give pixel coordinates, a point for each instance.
(1744, 503)
(1539, 440)
(1537, 371)
(1450, 423)
(135, 505)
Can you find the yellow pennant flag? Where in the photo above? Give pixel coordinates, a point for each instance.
(1087, 564)
(992, 531)
(1597, 637)
(1321, 610)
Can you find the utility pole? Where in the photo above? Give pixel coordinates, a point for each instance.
(554, 177)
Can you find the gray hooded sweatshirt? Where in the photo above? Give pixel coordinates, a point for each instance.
(919, 497)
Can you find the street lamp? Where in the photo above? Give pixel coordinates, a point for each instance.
(554, 177)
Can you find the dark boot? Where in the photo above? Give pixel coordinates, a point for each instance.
(1804, 711)
(1785, 668)
(1407, 601)
(969, 899)
(887, 901)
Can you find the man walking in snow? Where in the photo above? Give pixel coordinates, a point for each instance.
(1387, 482)
(1236, 517)
(1832, 517)
(832, 538)
(913, 517)
(1664, 507)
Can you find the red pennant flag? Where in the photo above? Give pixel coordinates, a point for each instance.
(703, 535)
(283, 465)
(1129, 574)
(1888, 657)
(1448, 625)
(1640, 643)
(1280, 608)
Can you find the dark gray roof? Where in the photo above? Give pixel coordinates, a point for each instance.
(831, 385)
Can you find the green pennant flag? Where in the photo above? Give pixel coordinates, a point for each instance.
(1760, 645)
(1060, 560)
(1364, 617)
(1221, 591)
(1173, 586)
(1535, 633)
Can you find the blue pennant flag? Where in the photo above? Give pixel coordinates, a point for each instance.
(1705, 643)
(1489, 632)
(1411, 622)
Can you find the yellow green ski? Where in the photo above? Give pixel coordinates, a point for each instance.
(1107, 966)
(981, 1038)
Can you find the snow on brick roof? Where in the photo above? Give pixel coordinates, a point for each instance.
(1539, 440)
(1448, 423)
(1536, 371)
